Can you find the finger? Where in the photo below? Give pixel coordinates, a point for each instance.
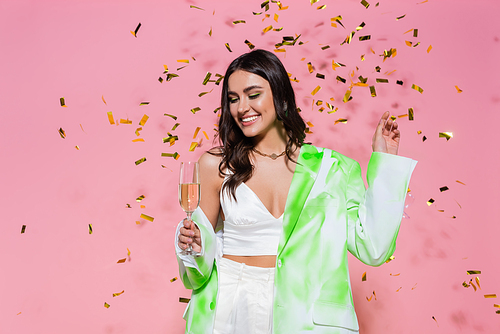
(182, 246)
(381, 123)
(187, 223)
(185, 240)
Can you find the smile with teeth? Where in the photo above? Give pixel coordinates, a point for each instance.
(249, 119)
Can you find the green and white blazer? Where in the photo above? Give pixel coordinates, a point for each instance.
(328, 212)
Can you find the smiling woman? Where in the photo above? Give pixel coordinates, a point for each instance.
(285, 213)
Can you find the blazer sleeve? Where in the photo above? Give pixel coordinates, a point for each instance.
(196, 270)
(374, 215)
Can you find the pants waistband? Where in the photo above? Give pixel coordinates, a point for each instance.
(244, 271)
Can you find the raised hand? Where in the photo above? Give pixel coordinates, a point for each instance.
(386, 137)
(190, 234)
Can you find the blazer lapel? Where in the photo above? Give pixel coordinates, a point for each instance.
(306, 171)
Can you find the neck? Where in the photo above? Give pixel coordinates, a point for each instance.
(273, 141)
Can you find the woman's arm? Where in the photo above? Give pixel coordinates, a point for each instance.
(195, 271)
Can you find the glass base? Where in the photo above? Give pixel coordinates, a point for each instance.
(188, 251)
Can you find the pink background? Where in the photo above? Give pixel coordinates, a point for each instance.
(56, 277)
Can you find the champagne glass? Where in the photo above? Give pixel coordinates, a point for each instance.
(189, 193)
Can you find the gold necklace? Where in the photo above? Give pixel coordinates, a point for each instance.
(273, 156)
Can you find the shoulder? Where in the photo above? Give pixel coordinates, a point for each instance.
(209, 162)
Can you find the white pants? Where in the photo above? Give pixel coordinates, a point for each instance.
(245, 302)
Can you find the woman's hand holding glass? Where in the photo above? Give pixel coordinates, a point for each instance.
(190, 235)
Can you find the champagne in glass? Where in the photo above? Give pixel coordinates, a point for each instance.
(189, 192)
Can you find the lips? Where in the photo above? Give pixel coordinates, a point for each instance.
(248, 120)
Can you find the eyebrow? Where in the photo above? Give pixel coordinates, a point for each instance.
(249, 88)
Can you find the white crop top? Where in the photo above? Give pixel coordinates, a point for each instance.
(249, 229)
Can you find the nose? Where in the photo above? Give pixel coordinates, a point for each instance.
(243, 106)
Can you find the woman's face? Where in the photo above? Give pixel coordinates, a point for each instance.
(251, 103)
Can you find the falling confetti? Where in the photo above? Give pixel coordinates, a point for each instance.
(363, 277)
(106, 305)
(23, 229)
(315, 90)
(195, 110)
(192, 6)
(140, 161)
(149, 218)
(493, 295)
(458, 89)
(173, 280)
(473, 272)
(172, 116)
(460, 182)
(90, 228)
(140, 198)
(443, 188)
(118, 293)
(121, 261)
(136, 30)
(144, 119)
(184, 300)
(447, 135)
(228, 47)
(62, 133)
(430, 201)
(417, 88)
(110, 117)
(63, 104)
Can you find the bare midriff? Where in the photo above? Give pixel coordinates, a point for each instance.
(263, 261)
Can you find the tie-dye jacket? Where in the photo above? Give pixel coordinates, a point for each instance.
(328, 212)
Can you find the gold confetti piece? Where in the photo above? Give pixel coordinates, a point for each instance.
(239, 21)
(410, 114)
(23, 229)
(279, 29)
(415, 286)
(110, 117)
(399, 289)
(395, 274)
(193, 146)
(315, 90)
(308, 131)
(144, 119)
(228, 47)
(321, 7)
(250, 45)
(365, 38)
(477, 282)
(281, 7)
(339, 78)
(310, 67)
(170, 76)
(266, 29)
(458, 89)
(372, 91)
(276, 16)
(435, 321)
(173, 280)
(325, 47)
(430, 201)
(348, 39)
(196, 132)
(496, 305)
(319, 75)
(172, 155)
(365, 3)
(415, 32)
(363, 277)
(440, 210)
(63, 104)
(90, 228)
(473, 272)
(472, 283)
(172, 116)
(416, 44)
(149, 218)
(206, 136)
(136, 30)
(192, 6)
(443, 188)
(400, 17)
(128, 252)
(140, 161)
(19, 313)
(194, 110)
(429, 48)
(140, 198)
(118, 293)
(106, 305)
(460, 182)
(377, 69)
(407, 31)
(77, 147)
(341, 120)
(125, 121)
(207, 78)
(137, 222)
(419, 132)
(379, 80)
(81, 127)
(417, 88)
(424, 138)
(447, 135)
(347, 96)
(318, 103)
(121, 261)
(210, 32)
(465, 284)
(143, 206)
(310, 124)
(313, 1)
(137, 133)
(62, 133)
(184, 300)
(393, 117)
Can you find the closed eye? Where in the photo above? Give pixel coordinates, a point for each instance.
(233, 99)
(254, 96)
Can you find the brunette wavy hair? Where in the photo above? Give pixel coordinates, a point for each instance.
(235, 146)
